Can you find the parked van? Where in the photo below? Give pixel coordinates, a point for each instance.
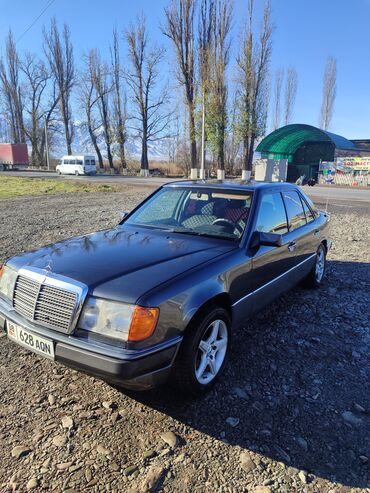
(77, 165)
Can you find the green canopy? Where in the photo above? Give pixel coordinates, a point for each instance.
(284, 142)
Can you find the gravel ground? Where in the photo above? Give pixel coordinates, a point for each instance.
(291, 414)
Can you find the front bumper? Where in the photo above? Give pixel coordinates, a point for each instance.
(137, 369)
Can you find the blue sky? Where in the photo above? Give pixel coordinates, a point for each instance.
(307, 31)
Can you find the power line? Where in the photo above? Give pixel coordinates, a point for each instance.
(35, 20)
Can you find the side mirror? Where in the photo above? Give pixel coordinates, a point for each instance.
(123, 215)
(267, 239)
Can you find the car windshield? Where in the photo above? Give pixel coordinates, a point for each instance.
(196, 211)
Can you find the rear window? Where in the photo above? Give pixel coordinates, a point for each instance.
(310, 215)
(294, 209)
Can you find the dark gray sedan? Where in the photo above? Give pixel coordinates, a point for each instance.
(158, 296)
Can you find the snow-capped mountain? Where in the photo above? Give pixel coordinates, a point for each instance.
(158, 150)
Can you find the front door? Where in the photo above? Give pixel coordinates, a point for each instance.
(271, 264)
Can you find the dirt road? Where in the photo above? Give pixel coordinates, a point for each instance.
(291, 414)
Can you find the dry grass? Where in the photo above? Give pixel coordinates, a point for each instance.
(15, 187)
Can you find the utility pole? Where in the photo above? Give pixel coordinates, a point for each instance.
(46, 144)
(202, 173)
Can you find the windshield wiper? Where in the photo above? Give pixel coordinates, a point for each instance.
(151, 226)
(199, 233)
(191, 232)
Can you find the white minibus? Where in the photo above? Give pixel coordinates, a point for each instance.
(77, 165)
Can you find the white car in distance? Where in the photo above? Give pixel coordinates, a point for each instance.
(77, 165)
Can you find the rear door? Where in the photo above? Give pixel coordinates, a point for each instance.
(302, 235)
(89, 165)
(314, 236)
(63, 166)
(301, 225)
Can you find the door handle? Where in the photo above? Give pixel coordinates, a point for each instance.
(292, 246)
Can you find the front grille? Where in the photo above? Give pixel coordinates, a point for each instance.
(25, 295)
(48, 305)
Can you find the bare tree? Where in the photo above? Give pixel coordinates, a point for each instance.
(329, 91)
(59, 52)
(290, 94)
(11, 90)
(89, 100)
(119, 103)
(50, 116)
(142, 77)
(279, 76)
(103, 88)
(219, 58)
(36, 81)
(205, 45)
(253, 63)
(179, 27)
(232, 144)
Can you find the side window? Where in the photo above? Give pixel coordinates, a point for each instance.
(271, 216)
(309, 214)
(294, 208)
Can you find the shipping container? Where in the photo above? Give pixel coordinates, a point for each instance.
(13, 156)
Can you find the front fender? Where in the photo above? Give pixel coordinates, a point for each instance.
(177, 311)
(180, 299)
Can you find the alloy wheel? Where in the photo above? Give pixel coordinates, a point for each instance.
(211, 352)
(320, 265)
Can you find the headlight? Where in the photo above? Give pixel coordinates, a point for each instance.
(118, 320)
(8, 277)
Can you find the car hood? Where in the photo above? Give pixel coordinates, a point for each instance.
(123, 263)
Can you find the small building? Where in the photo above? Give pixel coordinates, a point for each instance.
(305, 147)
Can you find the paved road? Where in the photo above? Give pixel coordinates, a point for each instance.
(319, 194)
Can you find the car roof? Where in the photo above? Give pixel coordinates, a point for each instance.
(241, 185)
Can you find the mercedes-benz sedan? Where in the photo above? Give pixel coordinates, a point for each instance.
(158, 296)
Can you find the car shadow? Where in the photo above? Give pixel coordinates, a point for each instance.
(297, 382)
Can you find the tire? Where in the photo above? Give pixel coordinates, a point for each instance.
(316, 276)
(202, 356)
(76, 173)
(59, 172)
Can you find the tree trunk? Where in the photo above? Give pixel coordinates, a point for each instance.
(245, 153)
(144, 153)
(110, 158)
(96, 147)
(39, 158)
(193, 142)
(221, 157)
(33, 154)
(66, 130)
(122, 155)
(250, 153)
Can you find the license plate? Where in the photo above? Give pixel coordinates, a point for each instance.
(35, 343)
